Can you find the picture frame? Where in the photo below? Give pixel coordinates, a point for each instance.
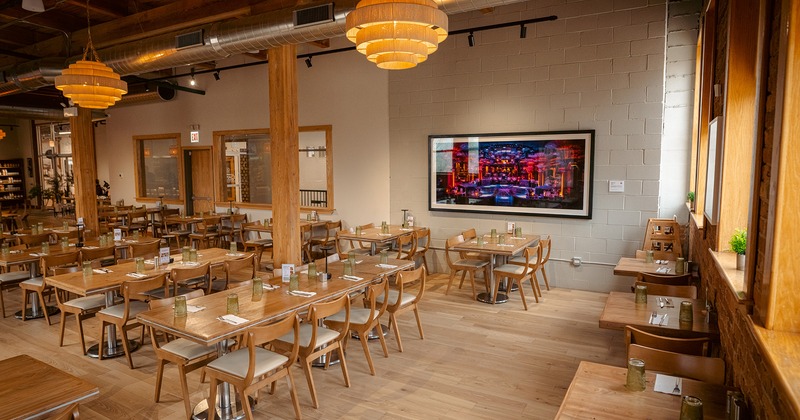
(546, 173)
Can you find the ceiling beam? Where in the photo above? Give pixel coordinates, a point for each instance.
(103, 8)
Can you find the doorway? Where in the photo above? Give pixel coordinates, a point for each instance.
(198, 179)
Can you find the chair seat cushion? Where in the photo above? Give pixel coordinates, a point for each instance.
(187, 349)
(512, 269)
(470, 263)
(117, 311)
(14, 276)
(324, 336)
(32, 283)
(87, 302)
(393, 294)
(236, 363)
(357, 316)
(521, 261)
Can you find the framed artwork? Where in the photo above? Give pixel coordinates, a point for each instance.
(531, 174)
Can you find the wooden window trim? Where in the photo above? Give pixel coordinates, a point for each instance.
(137, 168)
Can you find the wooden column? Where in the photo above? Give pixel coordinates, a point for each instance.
(84, 168)
(284, 142)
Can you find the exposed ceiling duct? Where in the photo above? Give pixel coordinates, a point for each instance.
(40, 113)
(219, 40)
(159, 94)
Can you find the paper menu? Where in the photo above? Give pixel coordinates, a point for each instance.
(163, 255)
(286, 271)
(668, 384)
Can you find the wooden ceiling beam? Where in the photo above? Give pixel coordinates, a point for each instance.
(322, 43)
(100, 7)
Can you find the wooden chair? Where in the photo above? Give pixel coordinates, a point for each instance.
(123, 316)
(144, 249)
(316, 340)
(681, 280)
(236, 272)
(363, 320)
(362, 247)
(105, 256)
(254, 367)
(406, 246)
(464, 265)
(191, 277)
(535, 263)
(185, 354)
(11, 279)
(423, 245)
(82, 307)
(546, 245)
(255, 242)
(305, 242)
(468, 235)
(232, 228)
(137, 220)
(688, 292)
(207, 232)
(405, 298)
(692, 346)
(518, 274)
(658, 255)
(663, 235)
(331, 228)
(706, 369)
(172, 229)
(37, 284)
(33, 241)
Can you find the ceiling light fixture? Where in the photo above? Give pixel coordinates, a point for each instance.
(90, 83)
(2, 134)
(216, 75)
(396, 34)
(523, 31)
(471, 39)
(308, 62)
(33, 5)
(193, 82)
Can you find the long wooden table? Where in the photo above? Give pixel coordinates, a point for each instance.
(109, 281)
(374, 236)
(206, 328)
(31, 389)
(512, 246)
(621, 310)
(633, 266)
(598, 392)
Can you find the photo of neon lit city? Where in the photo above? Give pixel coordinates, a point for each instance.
(548, 174)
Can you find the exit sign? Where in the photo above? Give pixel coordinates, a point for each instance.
(194, 136)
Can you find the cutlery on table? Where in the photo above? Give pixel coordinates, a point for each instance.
(677, 389)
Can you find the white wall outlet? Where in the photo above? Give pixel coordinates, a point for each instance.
(616, 186)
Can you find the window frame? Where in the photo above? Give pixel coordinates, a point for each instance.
(138, 159)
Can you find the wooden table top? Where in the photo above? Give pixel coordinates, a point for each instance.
(204, 327)
(633, 266)
(598, 392)
(268, 228)
(514, 245)
(30, 388)
(375, 235)
(31, 255)
(620, 310)
(104, 282)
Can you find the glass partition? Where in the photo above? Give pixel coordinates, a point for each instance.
(158, 167)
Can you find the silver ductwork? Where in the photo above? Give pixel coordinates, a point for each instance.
(44, 114)
(159, 94)
(221, 40)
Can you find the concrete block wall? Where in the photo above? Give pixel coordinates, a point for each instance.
(599, 66)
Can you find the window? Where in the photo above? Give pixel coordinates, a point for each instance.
(55, 161)
(245, 168)
(158, 167)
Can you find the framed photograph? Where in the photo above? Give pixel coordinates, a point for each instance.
(531, 174)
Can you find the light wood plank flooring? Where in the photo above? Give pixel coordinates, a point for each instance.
(477, 361)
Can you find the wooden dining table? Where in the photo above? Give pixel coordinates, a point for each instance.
(633, 266)
(206, 327)
(374, 236)
(621, 310)
(32, 389)
(107, 280)
(598, 392)
(497, 254)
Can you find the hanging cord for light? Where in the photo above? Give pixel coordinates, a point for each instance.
(90, 83)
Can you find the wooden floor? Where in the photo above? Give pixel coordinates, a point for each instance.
(477, 361)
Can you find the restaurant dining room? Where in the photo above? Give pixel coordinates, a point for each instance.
(399, 209)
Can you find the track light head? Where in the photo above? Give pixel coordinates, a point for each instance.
(471, 39)
(192, 82)
(216, 75)
(308, 62)
(523, 31)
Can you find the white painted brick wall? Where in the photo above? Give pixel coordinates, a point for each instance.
(600, 66)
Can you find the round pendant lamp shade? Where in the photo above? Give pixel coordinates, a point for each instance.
(396, 34)
(2, 134)
(91, 84)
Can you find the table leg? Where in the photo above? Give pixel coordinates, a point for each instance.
(487, 297)
(113, 347)
(227, 408)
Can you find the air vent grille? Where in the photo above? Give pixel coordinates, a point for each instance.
(191, 39)
(313, 15)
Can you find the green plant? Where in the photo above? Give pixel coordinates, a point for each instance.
(738, 241)
(690, 196)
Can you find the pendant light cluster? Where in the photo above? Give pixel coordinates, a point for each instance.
(396, 34)
(90, 83)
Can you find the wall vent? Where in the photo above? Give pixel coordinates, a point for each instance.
(191, 39)
(313, 15)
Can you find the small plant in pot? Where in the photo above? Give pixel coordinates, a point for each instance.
(738, 245)
(690, 199)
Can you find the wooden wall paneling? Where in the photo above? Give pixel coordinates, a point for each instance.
(706, 102)
(284, 141)
(698, 79)
(783, 281)
(84, 168)
(740, 119)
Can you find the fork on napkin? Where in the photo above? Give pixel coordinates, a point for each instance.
(270, 287)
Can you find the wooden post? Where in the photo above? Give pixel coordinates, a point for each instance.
(84, 169)
(284, 142)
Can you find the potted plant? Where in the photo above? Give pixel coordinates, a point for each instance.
(738, 245)
(690, 199)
